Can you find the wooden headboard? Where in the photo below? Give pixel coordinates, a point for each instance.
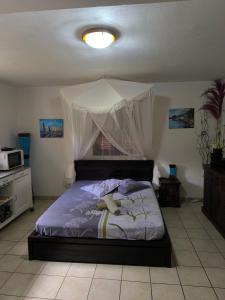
(104, 169)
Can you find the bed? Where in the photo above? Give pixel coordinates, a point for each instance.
(54, 238)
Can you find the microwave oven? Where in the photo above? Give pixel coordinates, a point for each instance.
(11, 159)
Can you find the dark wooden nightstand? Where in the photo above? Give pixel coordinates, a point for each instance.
(169, 192)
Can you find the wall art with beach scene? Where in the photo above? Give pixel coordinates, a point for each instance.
(51, 128)
(181, 118)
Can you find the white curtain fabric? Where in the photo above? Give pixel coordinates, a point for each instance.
(127, 124)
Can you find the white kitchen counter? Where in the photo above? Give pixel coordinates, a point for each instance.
(4, 174)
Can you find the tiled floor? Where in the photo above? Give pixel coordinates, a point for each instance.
(198, 272)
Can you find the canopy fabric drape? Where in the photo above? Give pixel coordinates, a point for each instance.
(121, 111)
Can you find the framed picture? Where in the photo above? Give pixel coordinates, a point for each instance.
(181, 118)
(51, 128)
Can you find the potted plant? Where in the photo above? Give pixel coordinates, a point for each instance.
(214, 105)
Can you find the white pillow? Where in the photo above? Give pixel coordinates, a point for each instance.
(103, 188)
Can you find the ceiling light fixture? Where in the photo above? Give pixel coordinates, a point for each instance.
(99, 38)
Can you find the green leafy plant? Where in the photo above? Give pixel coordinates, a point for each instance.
(214, 105)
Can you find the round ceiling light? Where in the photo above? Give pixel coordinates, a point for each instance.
(99, 38)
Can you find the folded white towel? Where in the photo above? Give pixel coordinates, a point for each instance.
(111, 204)
(101, 205)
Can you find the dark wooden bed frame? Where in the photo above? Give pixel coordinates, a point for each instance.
(91, 250)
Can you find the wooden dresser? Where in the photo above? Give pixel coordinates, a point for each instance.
(214, 197)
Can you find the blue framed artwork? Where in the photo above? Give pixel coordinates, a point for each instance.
(51, 128)
(181, 118)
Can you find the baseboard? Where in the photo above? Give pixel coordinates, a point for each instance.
(191, 199)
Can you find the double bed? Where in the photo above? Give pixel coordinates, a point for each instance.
(73, 230)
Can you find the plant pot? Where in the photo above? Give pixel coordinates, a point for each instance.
(217, 155)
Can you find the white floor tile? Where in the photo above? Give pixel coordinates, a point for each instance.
(198, 234)
(216, 277)
(17, 284)
(30, 267)
(4, 276)
(9, 263)
(182, 244)
(104, 290)
(55, 268)
(164, 275)
(194, 276)
(220, 293)
(44, 286)
(167, 292)
(174, 223)
(136, 273)
(25, 237)
(21, 248)
(204, 245)
(20, 224)
(187, 216)
(5, 246)
(74, 288)
(212, 259)
(192, 224)
(169, 212)
(81, 270)
(214, 234)
(187, 258)
(108, 272)
(220, 245)
(199, 293)
(135, 291)
(177, 233)
(12, 235)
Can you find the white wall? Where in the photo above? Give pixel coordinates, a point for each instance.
(7, 116)
(170, 146)
(178, 146)
(47, 155)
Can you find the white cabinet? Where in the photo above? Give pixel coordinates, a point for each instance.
(5, 181)
(22, 193)
(17, 187)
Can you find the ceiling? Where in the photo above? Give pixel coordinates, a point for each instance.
(168, 41)
(12, 6)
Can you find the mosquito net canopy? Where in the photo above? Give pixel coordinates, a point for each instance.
(119, 110)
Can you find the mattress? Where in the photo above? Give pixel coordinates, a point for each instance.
(74, 214)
